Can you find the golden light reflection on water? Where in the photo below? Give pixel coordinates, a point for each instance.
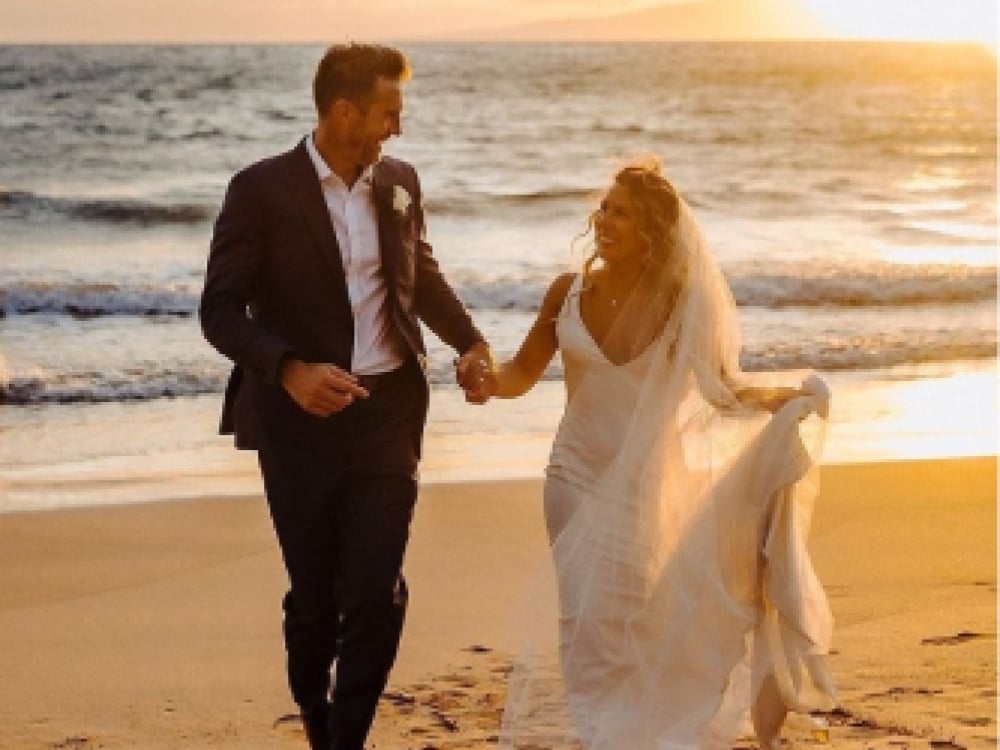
(931, 182)
(983, 255)
(950, 411)
(958, 229)
(949, 416)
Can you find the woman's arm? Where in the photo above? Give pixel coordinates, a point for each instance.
(769, 399)
(516, 376)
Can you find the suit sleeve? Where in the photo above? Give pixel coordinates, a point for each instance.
(232, 281)
(435, 302)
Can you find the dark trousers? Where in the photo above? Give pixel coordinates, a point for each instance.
(341, 508)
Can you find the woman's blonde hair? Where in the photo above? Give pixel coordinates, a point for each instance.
(657, 205)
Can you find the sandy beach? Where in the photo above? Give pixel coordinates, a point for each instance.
(155, 626)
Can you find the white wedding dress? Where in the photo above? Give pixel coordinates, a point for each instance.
(681, 592)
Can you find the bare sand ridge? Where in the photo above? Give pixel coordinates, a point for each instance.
(157, 626)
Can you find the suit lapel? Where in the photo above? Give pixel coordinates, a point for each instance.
(308, 194)
(388, 228)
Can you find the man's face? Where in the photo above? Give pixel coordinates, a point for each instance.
(369, 127)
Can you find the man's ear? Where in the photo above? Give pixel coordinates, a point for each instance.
(340, 110)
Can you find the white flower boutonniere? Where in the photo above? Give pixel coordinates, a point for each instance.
(400, 200)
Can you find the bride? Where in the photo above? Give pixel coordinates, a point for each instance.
(678, 497)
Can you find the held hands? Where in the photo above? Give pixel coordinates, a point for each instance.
(320, 389)
(476, 372)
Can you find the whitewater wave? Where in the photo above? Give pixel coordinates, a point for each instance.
(866, 353)
(43, 389)
(92, 299)
(885, 286)
(874, 286)
(24, 204)
(882, 286)
(829, 354)
(480, 202)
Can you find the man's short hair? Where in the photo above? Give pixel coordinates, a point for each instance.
(350, 71)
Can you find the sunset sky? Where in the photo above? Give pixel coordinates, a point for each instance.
(333, 20)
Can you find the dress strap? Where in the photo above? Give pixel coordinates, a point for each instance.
(571, 303)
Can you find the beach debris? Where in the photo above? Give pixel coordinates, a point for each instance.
(71, 742)
(462, 681)
(840, 716)
(399, 698)
(946, 745)
(445, 721)
(477, 649)
(287, 719)
(820, 733)
(950, 640)
(975, 721)
(896, 692)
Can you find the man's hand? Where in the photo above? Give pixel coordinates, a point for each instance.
(320, 389)
(476, 373)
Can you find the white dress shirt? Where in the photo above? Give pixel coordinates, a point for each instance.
(352, 210)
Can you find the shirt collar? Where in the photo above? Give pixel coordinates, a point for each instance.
(326, 175)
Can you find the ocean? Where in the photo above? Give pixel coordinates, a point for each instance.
(847, 189)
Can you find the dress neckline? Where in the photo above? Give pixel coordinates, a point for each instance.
(576, 292)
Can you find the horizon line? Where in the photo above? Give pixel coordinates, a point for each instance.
(481, 40)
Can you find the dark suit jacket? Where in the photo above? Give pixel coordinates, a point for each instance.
(275, 287)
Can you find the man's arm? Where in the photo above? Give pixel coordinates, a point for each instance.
(435, 302)
(231, 284)
(437, 305)
(231, 281)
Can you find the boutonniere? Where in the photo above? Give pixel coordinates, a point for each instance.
(400, 200)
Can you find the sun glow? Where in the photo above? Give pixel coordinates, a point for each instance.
(917, 20)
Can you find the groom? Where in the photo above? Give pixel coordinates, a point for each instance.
(317, 277)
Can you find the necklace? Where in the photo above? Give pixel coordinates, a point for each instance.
(618, 295)
(623, 294)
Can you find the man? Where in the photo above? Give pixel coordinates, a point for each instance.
(317, 277)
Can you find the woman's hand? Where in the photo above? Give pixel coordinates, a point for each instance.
(517, 375)
(816, 389)
(476, 373)
(772, 399)
(767, 399)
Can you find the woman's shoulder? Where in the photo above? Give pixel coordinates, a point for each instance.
(558, 290)
(562, 283)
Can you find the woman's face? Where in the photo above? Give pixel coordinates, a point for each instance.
(616, 226)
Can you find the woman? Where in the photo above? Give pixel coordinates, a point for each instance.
(676, 502)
